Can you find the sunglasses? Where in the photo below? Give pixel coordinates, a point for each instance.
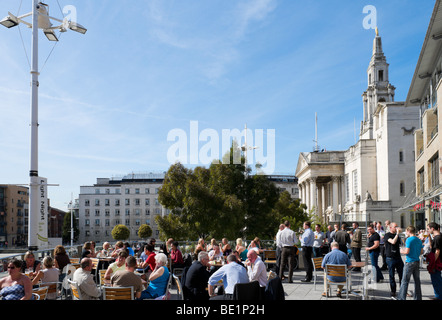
(11, 267)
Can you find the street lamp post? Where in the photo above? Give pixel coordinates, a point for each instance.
(40, 20)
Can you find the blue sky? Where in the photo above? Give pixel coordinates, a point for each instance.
(108, 99)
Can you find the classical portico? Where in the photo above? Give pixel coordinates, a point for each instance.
(320, 180)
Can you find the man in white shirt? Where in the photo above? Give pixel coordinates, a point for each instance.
(85, 280)
(287, 238)
(278, 248)
(256, 269)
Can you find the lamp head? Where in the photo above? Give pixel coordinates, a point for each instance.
(9, 22)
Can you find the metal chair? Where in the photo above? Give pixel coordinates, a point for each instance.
(336, 270)
(41, 292)
(35, 296)
(269, 258)
(54, 290)
(118, 293)
(179, 288)
(317, 266)
(76, 294)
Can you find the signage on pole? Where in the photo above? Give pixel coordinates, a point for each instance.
(42, 224)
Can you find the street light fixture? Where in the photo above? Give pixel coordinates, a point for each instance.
(40, 20)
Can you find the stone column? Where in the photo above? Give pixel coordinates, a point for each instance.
(335, 180)
(313, 203)
(320, 210)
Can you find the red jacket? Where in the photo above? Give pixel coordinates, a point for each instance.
(432, 264)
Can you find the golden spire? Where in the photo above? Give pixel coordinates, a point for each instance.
(377, 32)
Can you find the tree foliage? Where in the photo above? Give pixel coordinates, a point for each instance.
(145, 231)
(223, 200)
(66, 228)
(120, 232)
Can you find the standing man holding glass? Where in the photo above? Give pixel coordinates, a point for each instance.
(307, 239)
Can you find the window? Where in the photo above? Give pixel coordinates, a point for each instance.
(433, 166)
(147, 202)
(381, 75)
(127, 191)
(127, 202)
(87, 202)
(127, 212)
(401, 156)
(107, 222)
(402, 188)
(137, 212)
(355, 182)
(347, 188)
(117, 212)
(146, 191)
(117, 202)
(97, 212)
(97, 191)
(97, 202)
(420, 181)
(107, 191)
(137, 191)
(97, 222)
(106, 202)
(137, 202)
(87, 222)
(107, 212)
(86, 212)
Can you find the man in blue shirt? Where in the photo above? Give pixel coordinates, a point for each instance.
(335, 256)
(413, 249)
(230, 274)
(307, 239)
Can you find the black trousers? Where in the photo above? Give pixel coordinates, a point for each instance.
(308, 262)
(287, 257)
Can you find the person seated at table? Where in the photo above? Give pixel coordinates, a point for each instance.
(256, 269)
(88, 250)
(335, 256)
(225, 247)
(128, 278)
(158, 279)
(16, 285)
(85, 280)
(48, 274)
(215, 254)
(30, 266)
(119, 264)
(201, 245)
(253, 246)
(197, 277)
(230, 274)
(61, 260)
(105, 252)
(148, 256)
(176, 256)
(241, 249)
(118, 247)
(126, 245)
(212, 244)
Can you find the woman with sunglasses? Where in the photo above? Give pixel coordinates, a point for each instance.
(15, 286)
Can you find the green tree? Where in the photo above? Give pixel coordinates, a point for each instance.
(145, 231)
(120, 232)
(66, 228)
(290, 209)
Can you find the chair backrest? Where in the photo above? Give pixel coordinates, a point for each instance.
(101, 274)
(41, 292)
(75, 260)
(118, 293)
(179, 287)
(95, 262)
(54, 289)
(35, 296)
(336, 270)
(269, 254)
(76, 294)
(247, 291)
(317, 263)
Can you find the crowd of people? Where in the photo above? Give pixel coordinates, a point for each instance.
(338, 244)
(220, 262)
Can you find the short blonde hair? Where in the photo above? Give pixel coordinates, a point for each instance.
(48, 262)
(239, 241)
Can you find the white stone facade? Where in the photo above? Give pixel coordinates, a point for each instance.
(370, 180)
